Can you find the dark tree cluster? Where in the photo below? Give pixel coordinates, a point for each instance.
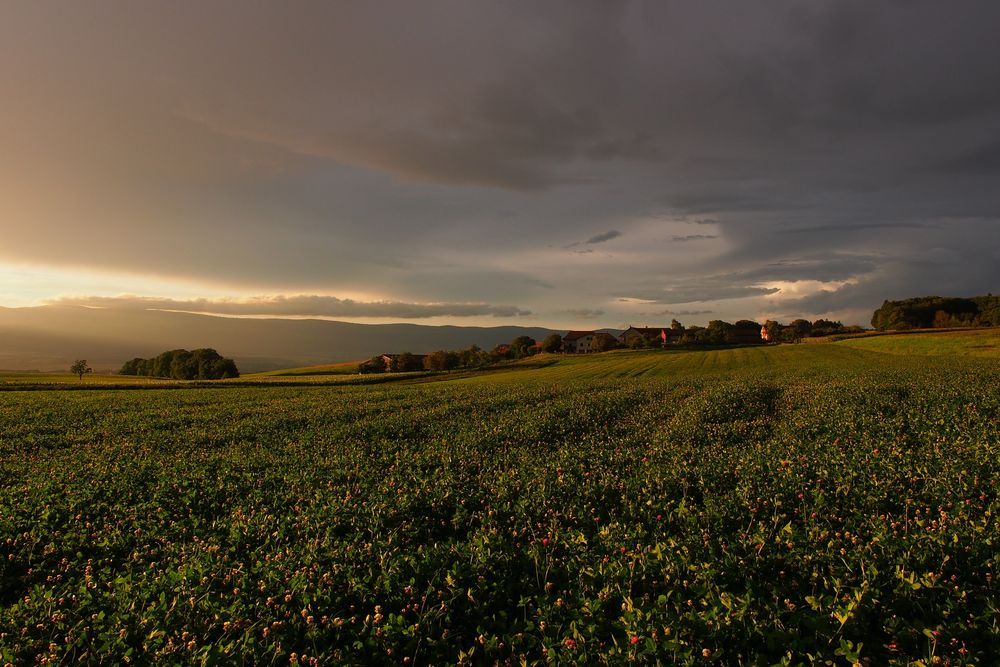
(522, 346)
(720, 332)
(934, 311)
(201, 364)
(796, 330)
(441, 360)
(552, 343)
(393, 363)
(449, 360)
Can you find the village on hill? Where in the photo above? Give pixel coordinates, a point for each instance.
(717, 333)
(599, 341)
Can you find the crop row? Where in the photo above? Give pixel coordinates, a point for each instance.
(731, 519)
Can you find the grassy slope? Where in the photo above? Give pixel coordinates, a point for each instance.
(974, 343)
(761, 362)
(822, 359)
(14, 379)
(546, 368)
(349, 368)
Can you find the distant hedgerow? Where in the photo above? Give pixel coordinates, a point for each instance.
(201, 364)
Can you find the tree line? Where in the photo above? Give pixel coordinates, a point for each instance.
(201, 364)
(441, 360)
(929, 312)
(469, 358)
(720, 332)
(796, 330)
(717, 332)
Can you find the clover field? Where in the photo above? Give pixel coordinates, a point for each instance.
(812, 504)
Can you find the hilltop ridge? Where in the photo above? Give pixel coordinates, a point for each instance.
(50, 337)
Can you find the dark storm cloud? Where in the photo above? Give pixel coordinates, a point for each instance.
(847, 227)
(915, 267)
(655, 318)
(980, 160)
(681, 313)
(825, 267)
(419, 150)
(298, 306)
(694, 237)
(695, 199)
(601, 238)
(535, 282)
(752, 281)
(584, 313)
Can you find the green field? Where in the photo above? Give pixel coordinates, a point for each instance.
(349, 368)
(773, 505)
(973, 343)
(25, 380)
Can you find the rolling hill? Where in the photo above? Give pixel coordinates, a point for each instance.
(47, 338)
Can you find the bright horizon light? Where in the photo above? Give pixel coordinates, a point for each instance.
(28, 285)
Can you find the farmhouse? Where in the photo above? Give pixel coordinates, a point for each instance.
(588, 341)
(579, 341)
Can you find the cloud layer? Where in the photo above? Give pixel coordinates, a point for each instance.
(779, 158)
(301, 305)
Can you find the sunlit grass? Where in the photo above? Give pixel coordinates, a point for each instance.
(348, 368)
(69, 379)
(974, 343)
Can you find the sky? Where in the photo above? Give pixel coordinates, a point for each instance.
(567, 164)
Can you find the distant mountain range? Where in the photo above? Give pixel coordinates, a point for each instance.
(48, 338)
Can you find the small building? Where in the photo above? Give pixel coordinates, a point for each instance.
(579, 341)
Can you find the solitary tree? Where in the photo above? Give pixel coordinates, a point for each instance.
(80, 368)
